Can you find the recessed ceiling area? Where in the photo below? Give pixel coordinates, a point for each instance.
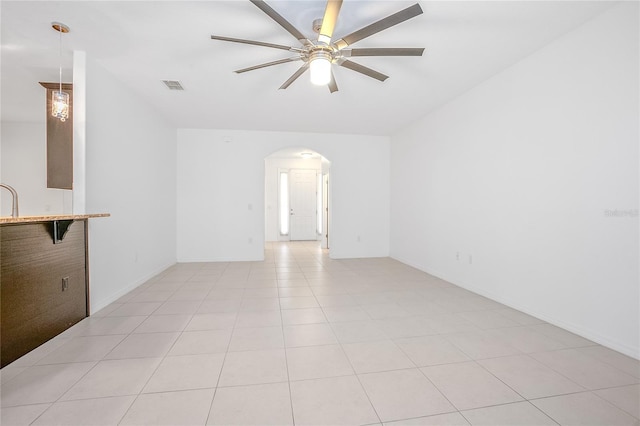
(143, 43)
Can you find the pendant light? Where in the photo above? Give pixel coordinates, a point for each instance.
(60, 99)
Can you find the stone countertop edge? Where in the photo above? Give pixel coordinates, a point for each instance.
(49, 218)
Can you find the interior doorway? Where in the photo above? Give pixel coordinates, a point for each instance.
(296, 196)
(303, 205)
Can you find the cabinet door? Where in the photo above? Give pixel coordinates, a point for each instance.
(35, 304)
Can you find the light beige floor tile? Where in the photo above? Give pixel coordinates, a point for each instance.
(308, 335)
(346, 314)
(134, 309)
(298, 302)
(258, 319)
(358, 331)
(333, 401)
(516, 414)
(528, 377)
(616, 359)
(42, 383)
(163, 324)
(468, 385)
(303, 316)
(82, 349)
(201, 342)
(397, 328)
(295, 292)
(113, 378)
(385, 310)
(102, 326)
(31, 358)
(315, 362)
(86, 412)
(186, 372)
(260, 304)
(403, 394)
(431, 350)
(527, 340)
(488, 319)
(190, 294)
(451, 323)
(254, 367)
(170, 408)
(151, 296)
(22, 415)
(320, 289)
(626, 398)
(569, 339)
(255, 338)
(8, 372)
(336, 300)
(253, 293)
(214, 321)
(381, 355)
(214, 306)
(482, 344)
(143, 345)
(176, 307)
(584, 370)
(225, 293)
(252, 405)
(519, 317)
(583, 409)
(449, 419)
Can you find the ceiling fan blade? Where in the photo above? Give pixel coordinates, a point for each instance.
(376, 27)
(329, 20)
(384, 51)
(295, 76)
(363, 70)
(257, 43)
(268, 64)
(280, 20)
(333, 87)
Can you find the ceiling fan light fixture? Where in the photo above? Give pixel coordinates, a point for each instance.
(320, 68)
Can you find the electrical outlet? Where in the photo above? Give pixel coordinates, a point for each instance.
(457, 255)
(65, 283)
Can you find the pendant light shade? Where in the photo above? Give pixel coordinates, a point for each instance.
(60, 105)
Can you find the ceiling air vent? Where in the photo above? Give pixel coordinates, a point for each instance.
(173, 84)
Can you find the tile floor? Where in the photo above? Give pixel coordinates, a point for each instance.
(303, 339)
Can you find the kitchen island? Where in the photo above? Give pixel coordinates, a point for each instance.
(44, 279)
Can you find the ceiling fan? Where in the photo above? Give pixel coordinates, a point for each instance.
(318, 56)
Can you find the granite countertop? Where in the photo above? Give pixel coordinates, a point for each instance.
(49, 218)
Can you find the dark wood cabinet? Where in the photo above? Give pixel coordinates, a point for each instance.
(43, 286)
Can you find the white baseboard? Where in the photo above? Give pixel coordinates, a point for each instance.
(589, 334)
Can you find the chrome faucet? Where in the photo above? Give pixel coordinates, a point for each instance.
(14, 199)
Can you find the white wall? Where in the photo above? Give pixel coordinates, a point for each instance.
(272, 166)
(24, 167)
(518, 173)
(221, 192)
(130, 173)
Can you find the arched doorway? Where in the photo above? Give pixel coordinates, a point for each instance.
(297, 196)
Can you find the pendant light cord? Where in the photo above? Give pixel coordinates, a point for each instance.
(60, 74)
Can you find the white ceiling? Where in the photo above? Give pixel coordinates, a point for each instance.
(144, 42)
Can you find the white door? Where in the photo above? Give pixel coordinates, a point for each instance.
(303, 215)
